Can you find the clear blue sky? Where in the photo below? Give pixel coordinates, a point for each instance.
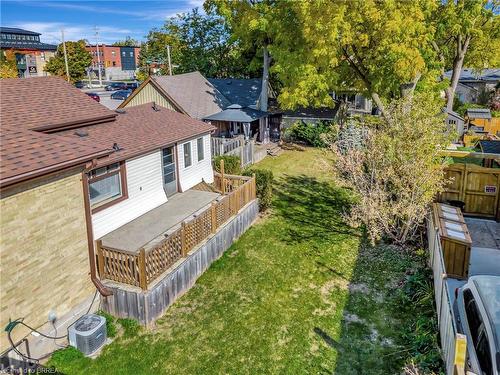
(114, 19)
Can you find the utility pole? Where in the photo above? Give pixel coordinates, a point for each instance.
(169, 62)
(65, 54)
(98, 57)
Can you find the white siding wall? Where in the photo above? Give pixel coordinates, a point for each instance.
(145, 192)
(198, 170)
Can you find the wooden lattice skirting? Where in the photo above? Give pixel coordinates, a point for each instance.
(147, 306)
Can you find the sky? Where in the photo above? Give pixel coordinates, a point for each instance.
(114, 20)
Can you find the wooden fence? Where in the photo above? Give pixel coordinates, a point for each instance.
(446, 320)
(142, 268)
(476, 186)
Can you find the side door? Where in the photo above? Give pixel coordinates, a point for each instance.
(169, 170)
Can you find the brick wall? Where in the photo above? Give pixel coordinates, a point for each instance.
(43, 251)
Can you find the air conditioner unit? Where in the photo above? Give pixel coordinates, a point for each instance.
(88, 333)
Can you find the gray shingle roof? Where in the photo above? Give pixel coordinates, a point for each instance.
(468, 75)
(245, 92)
(194, 93)
(478, 113)
(237, 113)
(15, 30)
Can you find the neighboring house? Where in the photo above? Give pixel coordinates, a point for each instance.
(480, 121)
(31, 54)
(86, 189)
(455, 122)
(309, 115)
(116, 62)
(235, 124)
(357, 104)
(188, 93)
(471, 83)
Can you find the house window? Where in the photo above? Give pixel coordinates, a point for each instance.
(107, 186)
(187, 154)
(201, 152)
(131, 54)
(113, 53)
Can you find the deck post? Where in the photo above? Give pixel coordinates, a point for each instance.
(143, 283)
(100, 258)
(183, 239)
(214, 217)
(223, 182)
(253, 187)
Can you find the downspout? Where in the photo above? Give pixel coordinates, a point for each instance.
(105, 292)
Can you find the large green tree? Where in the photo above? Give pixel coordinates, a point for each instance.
(79, 59)
(383, 49)
(197, 42)
(467, 35)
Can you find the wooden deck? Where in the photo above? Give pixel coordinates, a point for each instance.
(142, 266)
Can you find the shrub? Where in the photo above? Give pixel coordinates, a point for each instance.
(397, 170)
(110, 323)
(311, 134)
(232, 164)
(264, 186)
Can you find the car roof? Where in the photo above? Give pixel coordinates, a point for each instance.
(488, 288)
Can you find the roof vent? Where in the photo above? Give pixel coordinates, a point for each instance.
(156, 108)
(120, 110)
(81, 133)
(116, 147)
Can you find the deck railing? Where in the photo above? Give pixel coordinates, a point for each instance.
(143, 267)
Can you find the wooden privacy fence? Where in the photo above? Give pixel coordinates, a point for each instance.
(476, 186)
(142, 268)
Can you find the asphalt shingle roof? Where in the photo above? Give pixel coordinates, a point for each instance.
(245, 92)
(43, 102)
(478, 113)
(15, 30)
(237, 113)
(139, 130)
(468, 75)
(193, 93)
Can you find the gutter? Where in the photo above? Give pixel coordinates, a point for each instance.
(103, 290)
(52, 168)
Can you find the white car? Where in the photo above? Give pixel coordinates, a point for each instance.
(477, 310)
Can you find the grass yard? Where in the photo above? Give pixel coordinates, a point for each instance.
(299, 293)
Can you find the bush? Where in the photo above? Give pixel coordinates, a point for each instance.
(232, 164)
(110, 323)
(264, 186)
(311, 134)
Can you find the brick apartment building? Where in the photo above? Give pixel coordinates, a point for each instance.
(117, 62)
(30, 53)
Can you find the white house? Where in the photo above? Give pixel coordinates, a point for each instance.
(157, 154)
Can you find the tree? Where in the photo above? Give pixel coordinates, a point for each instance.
(467, 34)
(129, 41)
(396, 170)
(79, 59)
(8, 65)
(382, 49)
(197, 42)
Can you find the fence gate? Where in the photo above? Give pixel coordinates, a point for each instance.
(477, 187)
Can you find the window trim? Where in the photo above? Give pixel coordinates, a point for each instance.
(202, 148)
(190, 155)
(123, 182)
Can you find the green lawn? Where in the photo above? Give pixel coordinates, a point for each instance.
(299, 293)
